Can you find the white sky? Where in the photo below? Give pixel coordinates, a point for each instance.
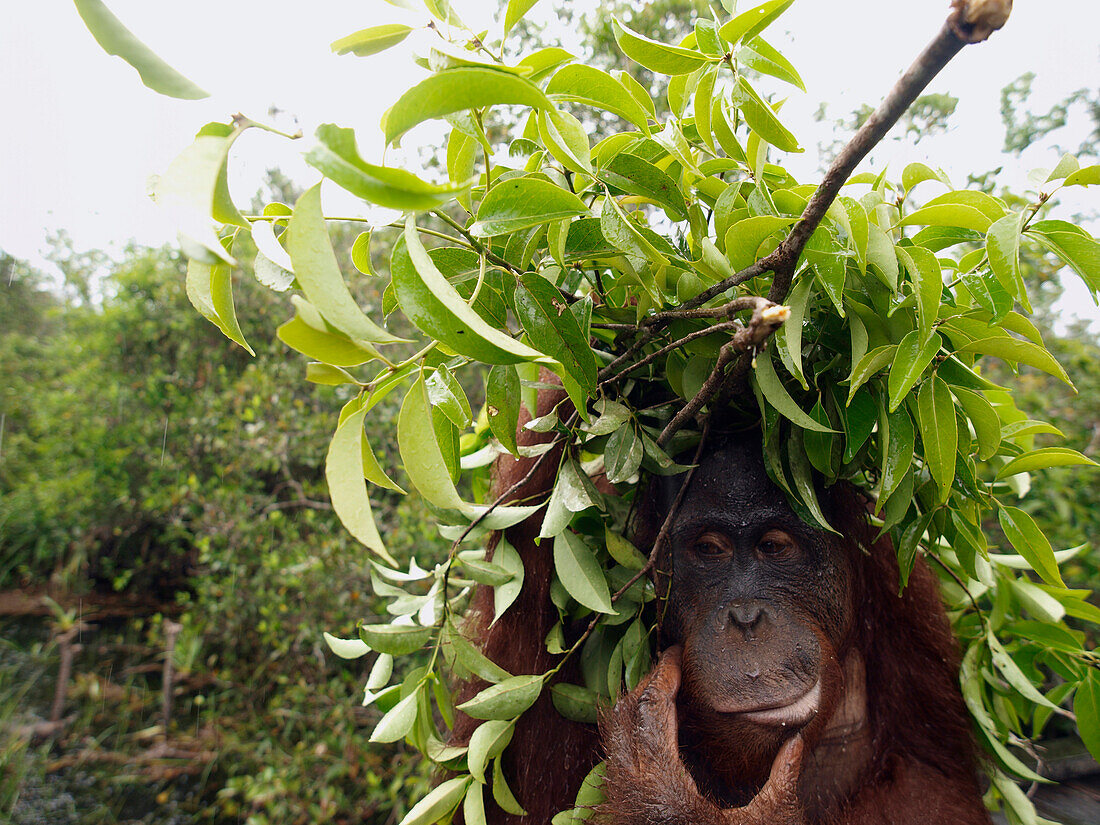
(82, 134)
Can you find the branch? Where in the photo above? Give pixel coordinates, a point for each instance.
(766, 319)
(969, 22)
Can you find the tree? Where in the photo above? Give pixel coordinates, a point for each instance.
(669, 272)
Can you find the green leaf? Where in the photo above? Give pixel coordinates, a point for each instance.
(346, 648)
(502, 399)
(457, 90)
(1002, 246)
(1021, 352)
(210, 290)
(344, 472)
(420, 451)
(319, 274)
(575, 702)
(987, 424)
(655, 56)
(761, 117)
(336, 157)
(308, 333)
(581, 83)
(396, 640)
(916, 173)
(622, 455)
(761, 56)
(901, 437)
(1085, 176)
(881, 254)
(749, 23)
(193, 192)
(580, 572)
(427, 466)
(566, 139)
(924, 269)
(486, 743)
(803, 479)
(473, 659)
(744, 238)
(1073, 245)
(1029, 541)
(360, 253)
(502, 793)
(936, 415)
(473, 806)
(910, 362)
(398, 721)
(638, 176)
(506, 700)
(440, 801)
(1086, 706)
(446, 395)
(372, 40)
(552, 328)
(948, 214)
(868, 365)
(431, 303)
(612, 416)
(626, 235)
(776, 394)
(623, 551)
(520, 203)
(506, 557)
(1043, 458)
(1013, 674)
(114, 38)
(515, 12)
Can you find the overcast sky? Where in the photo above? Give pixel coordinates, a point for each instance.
(82, 134)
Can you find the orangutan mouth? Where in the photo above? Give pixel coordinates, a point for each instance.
(798, 712)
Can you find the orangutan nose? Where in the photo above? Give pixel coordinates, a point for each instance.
(747, 614)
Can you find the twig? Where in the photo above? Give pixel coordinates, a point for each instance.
(171, 633)
(766, 319)
(66, 650)
(478, 246)
(687, 339)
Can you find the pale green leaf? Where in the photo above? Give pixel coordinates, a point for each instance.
(1041, 459)
(344, 473)
(433, 304)
(457, 90)
(1030, 542)
(505, 700)
(114, 38)
(319, 274)
(440, 801)
(335, 155)
(657, 57)
(372, 40)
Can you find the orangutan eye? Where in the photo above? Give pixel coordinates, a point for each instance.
(708, 545)
(775, 543)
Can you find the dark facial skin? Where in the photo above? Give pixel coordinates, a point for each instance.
(759, 602)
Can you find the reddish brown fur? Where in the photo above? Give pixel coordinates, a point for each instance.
(922, 760)
(549, 755)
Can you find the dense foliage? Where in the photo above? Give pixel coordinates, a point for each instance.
(635, 270)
